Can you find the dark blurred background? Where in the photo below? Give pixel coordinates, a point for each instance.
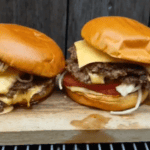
(62, 20)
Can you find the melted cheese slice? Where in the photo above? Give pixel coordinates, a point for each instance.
(87, 54)
(97, 79)
(20, 97)
(7, 79)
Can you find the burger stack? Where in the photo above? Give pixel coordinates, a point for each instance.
(110, 68)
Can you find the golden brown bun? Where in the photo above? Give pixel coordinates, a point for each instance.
(106, 102)
(119, 37)
(30, 50)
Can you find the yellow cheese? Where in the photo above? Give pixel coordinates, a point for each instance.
(87, 54)
(7, 79)
(19, 97)
(97, 79)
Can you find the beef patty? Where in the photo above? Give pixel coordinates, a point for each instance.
(125, 72)
(22, 87)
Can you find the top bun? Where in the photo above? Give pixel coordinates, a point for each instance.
(30, 51)
(119, 37)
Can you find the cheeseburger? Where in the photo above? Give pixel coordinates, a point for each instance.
(29, 62)
(110, 68)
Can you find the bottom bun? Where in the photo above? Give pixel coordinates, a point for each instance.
(37, 97)
(31, 96)
(28, 98)
(107, 102)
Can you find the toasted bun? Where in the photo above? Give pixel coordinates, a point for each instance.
(30, 50)
(106, 102)
(37, 97)
(119, 37)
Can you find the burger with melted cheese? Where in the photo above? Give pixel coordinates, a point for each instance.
(29, 62)
(109, 68)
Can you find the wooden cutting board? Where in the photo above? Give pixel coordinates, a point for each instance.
(58, 119)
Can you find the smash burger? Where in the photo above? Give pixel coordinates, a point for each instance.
(29, 62)
(109, 69)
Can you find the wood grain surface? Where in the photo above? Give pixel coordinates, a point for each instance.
(58, 119)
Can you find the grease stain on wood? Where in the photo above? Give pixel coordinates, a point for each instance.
(91, 125)
(93, 121)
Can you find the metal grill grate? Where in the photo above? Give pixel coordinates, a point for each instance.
(119, 146)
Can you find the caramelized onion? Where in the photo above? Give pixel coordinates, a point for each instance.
(129, 111)
(60, 80)
(25, 80)
(7, 110)
(3, 67)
